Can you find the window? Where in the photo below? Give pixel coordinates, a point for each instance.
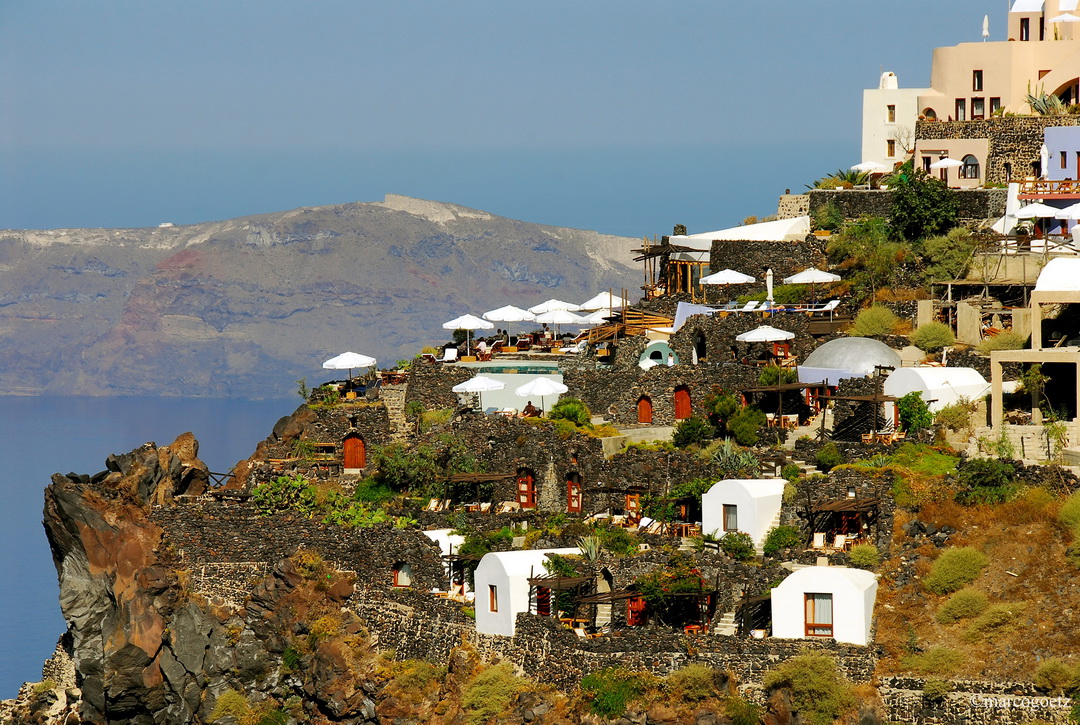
(493, 598)
(970, 169)
(1008, 172)
(731, 517)
(819, 615)
(890, 148)
(926, 161)
(976, 80)
(978, 108)
(526, 488)
(995, 105)
(1025, 28)
(1043, 74)
(1064, 159)
(890, 113)
(573, 493)
(633, 503)
(929, 114)
(961, 109)
(402, 574)
(851, 492)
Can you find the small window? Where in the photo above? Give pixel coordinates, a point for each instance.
(851, 492)
(978, 108)
(731, 517)
(970, 169)
(1025, 29)
(961, 109)
(926, 161)
(995, 105)
(819, 615)
(493, 598)
(1008, 171)
(402, 574)
(929, 114)
(976, 80)
(1043, 74)
(1064, 159)
(890, 112)
(890, 148)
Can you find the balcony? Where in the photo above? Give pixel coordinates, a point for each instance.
(1045, 189)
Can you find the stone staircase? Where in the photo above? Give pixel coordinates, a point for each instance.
(726, 624)
(772, 525)
(393, 397)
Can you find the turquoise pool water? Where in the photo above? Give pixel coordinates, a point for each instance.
(514, 374)
(529, 367)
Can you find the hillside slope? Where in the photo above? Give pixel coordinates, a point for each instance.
(243, 307)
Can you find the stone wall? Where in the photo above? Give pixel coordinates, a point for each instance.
(792, 205)
(835, 487)
(972, 703)
(975, 205)
(1013, 140)
(754, 257)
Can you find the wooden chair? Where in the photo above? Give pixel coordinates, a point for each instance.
(819, 541)
(840, 542)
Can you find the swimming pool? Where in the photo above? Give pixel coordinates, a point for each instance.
(513, 374)
(510, 367)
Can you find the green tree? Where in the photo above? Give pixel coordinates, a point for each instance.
(933, 337)
(922, 206)
(776, 375)
(914, 412)
(405, 470)
(948, 256)
(869, 255)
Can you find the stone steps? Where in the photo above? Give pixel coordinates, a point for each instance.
(725, 625)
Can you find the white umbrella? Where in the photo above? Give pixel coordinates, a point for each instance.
(869, 167)
(1037, 210)
(946, 163)
(986, 27)
(478, 385)
(467, 323)
(726, 276)
(553, 305)
(1070, 212)
(542, 386)
(769, 286)
(604, 301)
(596, 318)
(812, 276)
(348, 361)
(1065, 18)
(560, 317)
(509, 313)
(1044, 160)
(765, 333)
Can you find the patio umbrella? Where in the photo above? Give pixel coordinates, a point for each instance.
(542, 386)
(725, 277)
(596, 318)
(551, 305)
(1044, 160)
(560, 317)
(604, 301)
(986, 27)
(348, 361)
(812, 277)
(478, 385)
(869, 167)
(1037, 210)
(509, 313)
(946, 163)
(1070, 212)
(765, 333)
(1065, 18)
(467, 323)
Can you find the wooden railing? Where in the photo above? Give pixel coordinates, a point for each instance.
(1045, 187)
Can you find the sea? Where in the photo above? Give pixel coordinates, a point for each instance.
(40, 436)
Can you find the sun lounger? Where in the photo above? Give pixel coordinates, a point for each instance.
(449, 355)
(750, 306)
(829, 307)
(819, 541)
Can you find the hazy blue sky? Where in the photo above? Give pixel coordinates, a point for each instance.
(621, 116)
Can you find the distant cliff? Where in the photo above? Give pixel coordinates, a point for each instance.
(244, 307)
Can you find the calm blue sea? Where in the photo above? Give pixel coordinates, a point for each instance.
(42, 436)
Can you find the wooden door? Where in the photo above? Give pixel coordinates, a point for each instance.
(573, 493)
(635, 612)
(682, 403)
(526, 489)
(355, 454)
(644, 409)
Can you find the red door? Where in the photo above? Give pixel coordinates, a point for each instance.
(573, 494)
(635, 612)
(682, 403)
(354, 453)
(644, 409)
(526, 489)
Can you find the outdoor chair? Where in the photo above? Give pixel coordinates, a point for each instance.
(840, 542)
(750, 306)
(433, 505)
(828, 307)
(819, 541)
(427, 357)
(449, 355)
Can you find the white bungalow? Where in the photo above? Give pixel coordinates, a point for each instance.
(448, 543)
(502, 587)
(751, 506)
(825, 601)
(939, 386)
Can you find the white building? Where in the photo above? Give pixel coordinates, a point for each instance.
(748, 505)
(502, 587)
(825, 601)
(888, 124)
(940, 387)
(449, 543)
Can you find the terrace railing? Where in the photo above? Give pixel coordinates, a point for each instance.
(1037, 188)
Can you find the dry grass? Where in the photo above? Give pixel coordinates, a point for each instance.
(901, 294)
(1027, 564)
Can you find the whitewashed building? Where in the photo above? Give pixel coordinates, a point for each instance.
(825, 602)
(502, 587)
(748, 505)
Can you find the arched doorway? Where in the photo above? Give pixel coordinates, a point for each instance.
(604, 585)
(573, 493)
(526, 488)
(682, 403)
(700, 349)
(354, 453)
(644, 409)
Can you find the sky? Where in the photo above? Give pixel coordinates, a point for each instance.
(621, 116)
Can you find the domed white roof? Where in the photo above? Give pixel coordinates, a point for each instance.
(854, 354)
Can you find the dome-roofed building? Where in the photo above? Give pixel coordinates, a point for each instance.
(846, 357)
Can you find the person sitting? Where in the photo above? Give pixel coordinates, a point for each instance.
(530, 411)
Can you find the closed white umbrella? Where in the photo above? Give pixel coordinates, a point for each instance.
(604, 301)
(478, 385)
(1044, 160)
(348, 361)
(542, 386)
(769, 287)
(467, 323)
(986, 27)
(551, 305)
(765, 333)
(508, 314)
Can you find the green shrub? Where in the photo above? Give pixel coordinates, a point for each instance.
(1056, 678)
(781, 537)
(818, 691)
(955, 568)
(828, 457)
(617, 540)
(1002, 341)
(692, 430)
(612, 690)
(231, 704)
(284, 493)
(741, 711)
(692, 683)
(776, 375)
(573, 410)
(914, 412)
(933, 337)
(865, 556)
(564, 428)
(874, 322)
(935, 690)
(489, 694)
(432, 418)
(745, 424)
(997, 618)
(730, 461)
(402, 468)
(737, 545)
(964, 604)
(791, 472)
(955, 417)
(1070, 514)
(936, 661)
(290, 659)
(985, 480)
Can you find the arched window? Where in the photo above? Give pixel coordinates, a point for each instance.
(970, 169)
(700, 349)
(354, 453)
(526, 488)
(682, 403)
(402, 574)
(573, 493)
(644, 409)
(930, 114)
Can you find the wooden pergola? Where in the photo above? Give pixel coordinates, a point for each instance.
(631, 321)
